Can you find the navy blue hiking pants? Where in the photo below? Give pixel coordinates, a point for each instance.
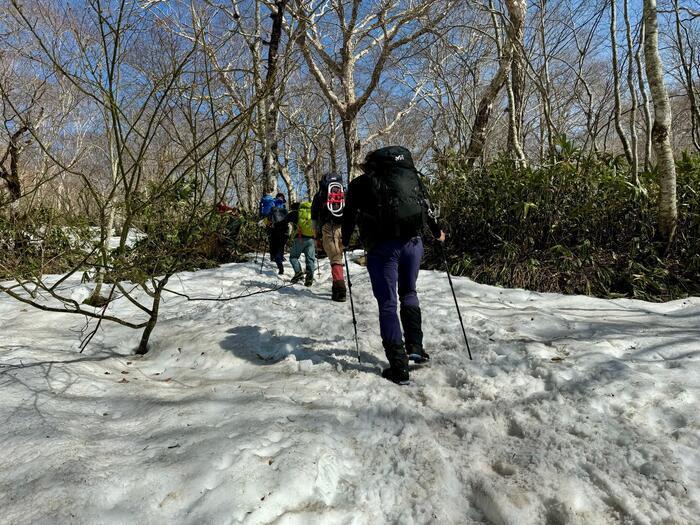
(394, 265)
(278, 238)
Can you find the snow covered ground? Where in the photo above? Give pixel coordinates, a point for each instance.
(574, 411)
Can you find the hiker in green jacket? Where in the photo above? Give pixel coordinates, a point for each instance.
(303, 234)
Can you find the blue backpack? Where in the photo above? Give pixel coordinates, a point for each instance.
(267, 204)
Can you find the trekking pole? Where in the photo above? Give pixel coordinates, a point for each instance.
(318, 266)
(263, 255)
(352, 306)
(454, 296)
(256, 249)
(318, 260)
(256, 246)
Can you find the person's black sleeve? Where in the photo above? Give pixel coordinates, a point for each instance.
(433, 224)
(316, 208)
(435, 227)
(292, 217)
(353, 199)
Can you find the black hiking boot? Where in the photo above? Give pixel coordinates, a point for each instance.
(309, 279)
(297, 277)
(417, 354)
(339, 292)
(398, 363)
(411, 322)
(395, 376)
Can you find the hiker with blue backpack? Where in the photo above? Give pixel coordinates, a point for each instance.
(327, 215)
(273, 213)
(304, 243)
(390, 206)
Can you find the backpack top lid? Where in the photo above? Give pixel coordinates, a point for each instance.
(389, 157)
(328, 178)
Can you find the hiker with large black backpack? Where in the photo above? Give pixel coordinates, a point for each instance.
(389, 205)
(327, 215)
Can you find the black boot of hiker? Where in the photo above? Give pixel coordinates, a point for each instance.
(297, 277)
(411, 322)
(398, 363)
(339, 292)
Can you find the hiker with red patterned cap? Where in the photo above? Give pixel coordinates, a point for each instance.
(327, 216)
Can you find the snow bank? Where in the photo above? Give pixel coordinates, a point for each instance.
(574, 411)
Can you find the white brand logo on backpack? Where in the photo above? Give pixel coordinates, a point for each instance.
(398, 158)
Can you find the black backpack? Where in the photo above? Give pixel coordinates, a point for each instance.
(332, 198)
(278, 215)
(401, 203)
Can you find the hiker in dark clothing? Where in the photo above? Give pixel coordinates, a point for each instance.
(277, 230)
(327, 215)
(300, 218)
(389, 205)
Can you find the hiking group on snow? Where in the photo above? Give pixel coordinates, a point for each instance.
(389, 205)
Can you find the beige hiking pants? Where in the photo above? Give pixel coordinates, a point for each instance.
(331, 242)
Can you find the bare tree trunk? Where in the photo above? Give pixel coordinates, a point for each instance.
(306, 165)
(485, 108)
(545, 85)
(616, 83)
(332, 143)
(143, 344)
(645, 99)
(517, 10)
(633, 96)
(96, 298)
(688, 78)
(287, 177)
(107, 223)
(661, 131)
(352, 145)
(271, 107)
(11, 176)
(517, 148)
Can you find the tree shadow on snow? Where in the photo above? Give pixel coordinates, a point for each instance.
(262, 348)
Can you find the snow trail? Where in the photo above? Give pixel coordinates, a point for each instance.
(574, 411)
